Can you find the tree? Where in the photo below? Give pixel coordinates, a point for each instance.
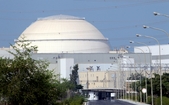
(156, 84)
(140, 81)
(25, 81)
(136, 76)
(74, 78)
(165, 84)
(62, 89)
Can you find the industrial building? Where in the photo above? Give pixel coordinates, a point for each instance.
(67, 40)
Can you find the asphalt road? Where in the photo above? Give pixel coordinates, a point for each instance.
(108, 102)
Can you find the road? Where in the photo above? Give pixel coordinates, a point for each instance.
(108, 102)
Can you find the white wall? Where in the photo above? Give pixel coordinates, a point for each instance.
(54, 67)
(66, 66)
(93, 95)
(102, 67)
(154, 49)
(4, 53)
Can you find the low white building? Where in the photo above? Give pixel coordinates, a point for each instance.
(64, 41)
(159, 52)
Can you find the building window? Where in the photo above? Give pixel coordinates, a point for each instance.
(113, 58)
(54, 57)
(97, 78)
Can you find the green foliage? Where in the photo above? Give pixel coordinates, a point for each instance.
(149, 100)
(74, 100)
(136, 85)
(74, 77)
(135, 76)
(165, 84)
(156, 88)
(165, 101)
(77, 100)
(62, 88)
(25, 81)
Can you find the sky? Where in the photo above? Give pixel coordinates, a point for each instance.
(117, 20)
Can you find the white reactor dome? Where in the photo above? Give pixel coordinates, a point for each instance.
(65, 34)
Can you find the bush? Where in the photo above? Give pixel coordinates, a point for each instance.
(149, 100)
(77, 100)
(165, 101)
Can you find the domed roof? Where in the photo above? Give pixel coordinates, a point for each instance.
(62, 33)
(67, 17)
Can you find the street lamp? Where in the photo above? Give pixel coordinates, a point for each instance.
(159, 14)
(138, 35)
(121, 73)
(129, 88)
(105, 80)
(121, 60)
(145, 27)
(144, 74)
(142, 44)
(150, 71)
(135, 82)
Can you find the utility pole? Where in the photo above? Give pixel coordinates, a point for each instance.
(87, 83)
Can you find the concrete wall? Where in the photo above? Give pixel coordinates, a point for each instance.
(66, 66)
(154, 49)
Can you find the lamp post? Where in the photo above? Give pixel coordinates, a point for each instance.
(142, 44)
(144, 74)
(160, 14)
(138, 35)
(121, 74)
(150, 71)
(145, 27)
(120, 56)
(127, 88)
(87, 82)
(135, 83)
(130, 63)
(105, 80)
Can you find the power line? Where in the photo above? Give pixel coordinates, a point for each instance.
(85, 9)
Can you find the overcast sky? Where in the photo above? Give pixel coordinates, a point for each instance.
(117, 20)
